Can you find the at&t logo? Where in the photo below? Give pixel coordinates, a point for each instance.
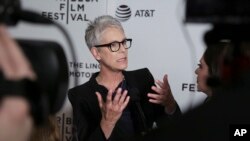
(124, 13)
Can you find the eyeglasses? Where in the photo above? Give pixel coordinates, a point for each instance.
(115, 46)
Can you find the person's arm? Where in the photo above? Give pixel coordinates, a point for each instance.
(15, 120)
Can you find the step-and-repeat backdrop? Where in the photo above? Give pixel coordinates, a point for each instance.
(161, 42)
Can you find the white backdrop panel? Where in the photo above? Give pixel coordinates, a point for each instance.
(161, 42)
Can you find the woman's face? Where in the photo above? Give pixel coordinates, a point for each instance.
(115, 61)
(202, 75)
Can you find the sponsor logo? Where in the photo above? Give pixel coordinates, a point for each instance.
(69, 11)
(65, 125)
(89, 69)
(123, 13)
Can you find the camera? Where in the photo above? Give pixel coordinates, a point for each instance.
(47, 93)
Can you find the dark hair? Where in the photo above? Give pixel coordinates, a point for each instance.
(227, 54)
(214, 57)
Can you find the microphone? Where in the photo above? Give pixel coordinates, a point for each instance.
(135, 98)
(50, 91)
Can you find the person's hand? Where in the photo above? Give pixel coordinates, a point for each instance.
(164, 95)
(13, 63)
(15, 121)
(112, 109)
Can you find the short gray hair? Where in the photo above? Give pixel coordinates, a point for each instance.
(96, 28)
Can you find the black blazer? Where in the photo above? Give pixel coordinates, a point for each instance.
(87, 114)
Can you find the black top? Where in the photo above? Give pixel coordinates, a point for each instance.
(87, 114)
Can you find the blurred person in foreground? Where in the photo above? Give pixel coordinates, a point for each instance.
(229, 105)
(16, 122)
(15, 119)
(115, 104)
(208, 70)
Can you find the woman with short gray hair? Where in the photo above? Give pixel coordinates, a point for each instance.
(117, 104)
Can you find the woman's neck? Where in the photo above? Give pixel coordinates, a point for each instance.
(109, 79)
